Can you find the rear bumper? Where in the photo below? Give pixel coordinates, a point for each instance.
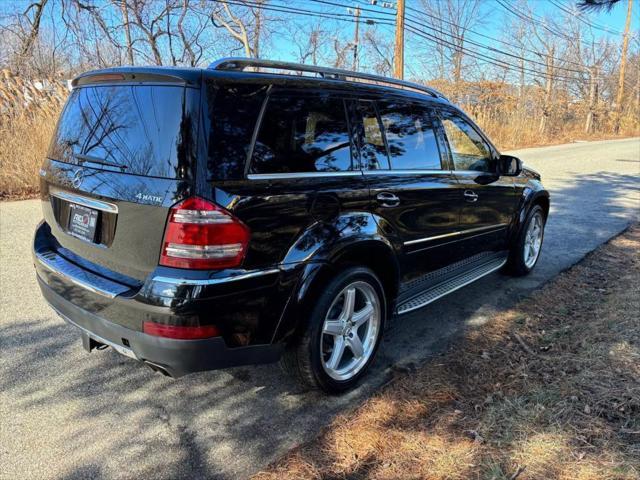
(175, 357)
(110, 309)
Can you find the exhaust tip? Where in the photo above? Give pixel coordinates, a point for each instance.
(157, 368)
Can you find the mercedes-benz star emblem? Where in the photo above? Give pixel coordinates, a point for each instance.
(77, 178)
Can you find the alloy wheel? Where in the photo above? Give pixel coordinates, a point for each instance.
(350, 331)
(533, 240)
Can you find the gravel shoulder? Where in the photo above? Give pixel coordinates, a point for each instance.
(68, 414)
(548, 389)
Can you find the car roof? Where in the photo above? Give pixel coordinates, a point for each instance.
(191, 76)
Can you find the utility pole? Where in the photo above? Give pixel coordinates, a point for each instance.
(398, 54)
(356, 40)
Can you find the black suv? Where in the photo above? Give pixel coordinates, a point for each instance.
(257, 211)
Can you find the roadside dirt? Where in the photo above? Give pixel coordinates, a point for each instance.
(548, 389)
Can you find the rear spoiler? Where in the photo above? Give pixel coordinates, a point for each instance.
(132, 75)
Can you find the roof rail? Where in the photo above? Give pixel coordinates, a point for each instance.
(241, 63)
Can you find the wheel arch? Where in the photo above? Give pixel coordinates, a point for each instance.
(375, 254)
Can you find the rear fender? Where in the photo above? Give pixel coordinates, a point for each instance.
(324, 249)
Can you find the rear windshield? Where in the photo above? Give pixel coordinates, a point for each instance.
(133, 129)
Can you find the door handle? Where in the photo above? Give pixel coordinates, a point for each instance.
(387, 199)
(470, 196)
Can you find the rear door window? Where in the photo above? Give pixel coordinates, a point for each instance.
(410, 135)
(373, 151)
(303, 134)
(139, 129)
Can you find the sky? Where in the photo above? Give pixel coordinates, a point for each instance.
(493, 12)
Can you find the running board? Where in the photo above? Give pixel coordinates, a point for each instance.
(440, 290)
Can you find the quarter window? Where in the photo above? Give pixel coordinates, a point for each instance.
(468, 149)
(410, 136)
(303, 134)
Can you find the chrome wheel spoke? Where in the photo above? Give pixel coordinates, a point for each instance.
(363, 315)
(355, 345)
(348, 305)
(336, 353)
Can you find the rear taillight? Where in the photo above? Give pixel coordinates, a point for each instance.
(202, 235)
(180, 332)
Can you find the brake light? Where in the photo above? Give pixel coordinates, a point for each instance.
(180, 332)
(202, 235)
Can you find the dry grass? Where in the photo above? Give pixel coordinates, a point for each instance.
(548, 390)
(28, 118)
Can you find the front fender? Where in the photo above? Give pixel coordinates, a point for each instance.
(532, 192)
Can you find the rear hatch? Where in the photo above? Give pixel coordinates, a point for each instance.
(123, 152)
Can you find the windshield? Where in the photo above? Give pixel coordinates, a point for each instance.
(132, 129)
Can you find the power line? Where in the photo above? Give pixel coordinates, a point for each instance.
(497, 50)
(536, 52)
(416, 31)
(472, 53)
(581, 18)
(537, 21)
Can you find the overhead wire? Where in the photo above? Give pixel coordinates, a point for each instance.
(487, 59)
(488, 37)
(466, 50)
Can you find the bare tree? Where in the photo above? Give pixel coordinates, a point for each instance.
(38, 9)
(450, 21)
(124, 8)
(236, 26)
(380, 49)
(309, 41)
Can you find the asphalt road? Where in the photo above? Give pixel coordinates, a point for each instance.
(68, 414)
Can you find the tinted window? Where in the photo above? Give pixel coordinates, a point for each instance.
(373, 152)
(468, 150)
(232, 114)
(410, 136)
(303, 134)
(134, 129)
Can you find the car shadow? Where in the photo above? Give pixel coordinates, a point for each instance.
(226, 424)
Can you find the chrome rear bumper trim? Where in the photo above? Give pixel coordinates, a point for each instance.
(64, 269)
(215, 281)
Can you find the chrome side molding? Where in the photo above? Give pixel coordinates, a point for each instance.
(497, 226)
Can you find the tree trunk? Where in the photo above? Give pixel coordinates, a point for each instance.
(546, 107)
(256, 37)
(593, 101)
(27, 44)
(623, 65)
(127, 30)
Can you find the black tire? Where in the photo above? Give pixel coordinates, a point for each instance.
(516, 265)
(304, 359)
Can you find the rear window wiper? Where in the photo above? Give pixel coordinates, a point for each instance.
(101, 161)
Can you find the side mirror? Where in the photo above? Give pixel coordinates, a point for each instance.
(509, 166)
